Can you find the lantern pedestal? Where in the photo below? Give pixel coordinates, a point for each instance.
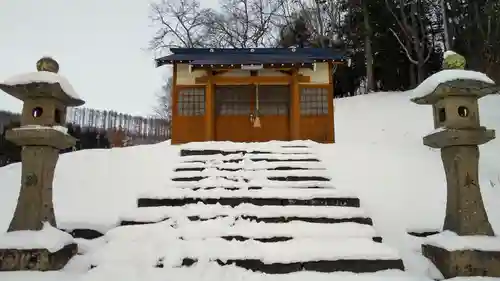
(36, 259)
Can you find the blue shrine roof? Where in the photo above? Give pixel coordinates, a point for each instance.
(206, 56)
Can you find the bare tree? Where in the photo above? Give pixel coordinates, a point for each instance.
(415, 41)
(370, 78)
(245, 23)
(446, 34)
(475, 26)
(163, 109)
(179, 23)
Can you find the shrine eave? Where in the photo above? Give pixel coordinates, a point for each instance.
(235, 58)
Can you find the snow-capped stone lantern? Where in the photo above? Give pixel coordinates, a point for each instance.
(45, 95)
(454, 96)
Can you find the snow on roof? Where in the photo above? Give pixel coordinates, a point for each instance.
(43, 77)
(431, 83)
(453, 242)
(48, 237)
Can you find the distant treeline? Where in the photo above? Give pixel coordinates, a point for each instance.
(92, 129)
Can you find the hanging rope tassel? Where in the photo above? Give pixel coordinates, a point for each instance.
(256, 123)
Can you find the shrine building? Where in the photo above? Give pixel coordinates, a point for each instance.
(252, 95)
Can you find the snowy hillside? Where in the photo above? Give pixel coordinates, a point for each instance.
(379, 156)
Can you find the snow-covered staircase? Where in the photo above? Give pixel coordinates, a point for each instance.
(267, 208)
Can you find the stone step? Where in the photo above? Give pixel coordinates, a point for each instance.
(234, 188)
(235, 201)
(311, 254)
(249, 176)
(248, 212)
(423, 234)
(239, 229)
(377, 239)
(324, 266)
(268, 196)
(238, 178)
(281, 168)
(255, 173)
(225, 148)
(250, 166)
(238, 158)
(230, 226)
(235, 184)
(216, 271)
(210, 152)
(257, 159)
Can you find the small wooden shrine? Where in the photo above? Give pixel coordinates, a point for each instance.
(252, 95)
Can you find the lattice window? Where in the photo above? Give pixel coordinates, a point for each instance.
(191, 101)
(313, 101)
(274, 100)
(233, 100)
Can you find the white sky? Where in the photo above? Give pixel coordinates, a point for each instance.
(99, 44)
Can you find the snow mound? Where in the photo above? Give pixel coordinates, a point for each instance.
(379, 157)
(48, 237)
(43, 77)
(452, 242)
(431, 83)
(92, 188)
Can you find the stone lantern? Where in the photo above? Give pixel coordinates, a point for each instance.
(45, 96)
(458, 134)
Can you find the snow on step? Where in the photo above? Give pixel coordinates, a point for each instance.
(229, 227)
(252, 174)
(272, 146)
(296, 250)
(283, 193)
(161, 243)
(224, 183)
(250, 165)
(156, 214)
(241, 156)
(212, 271)
(235, 182)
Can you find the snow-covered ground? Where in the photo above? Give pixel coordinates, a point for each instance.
(94, 187)
(379, 156)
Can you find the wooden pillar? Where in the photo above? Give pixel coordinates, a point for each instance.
(209, 108)
(295, 106)
(174, 94)
(331, 109)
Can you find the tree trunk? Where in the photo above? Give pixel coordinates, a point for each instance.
(446, 33)
(421, 65)
(413, 76)
(368, 48)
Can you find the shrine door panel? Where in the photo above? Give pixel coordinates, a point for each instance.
(273, 104)
(233, 106)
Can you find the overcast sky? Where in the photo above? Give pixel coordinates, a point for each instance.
(99, 45)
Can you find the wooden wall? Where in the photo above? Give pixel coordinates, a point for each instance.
(192, 128)
(185, 128)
